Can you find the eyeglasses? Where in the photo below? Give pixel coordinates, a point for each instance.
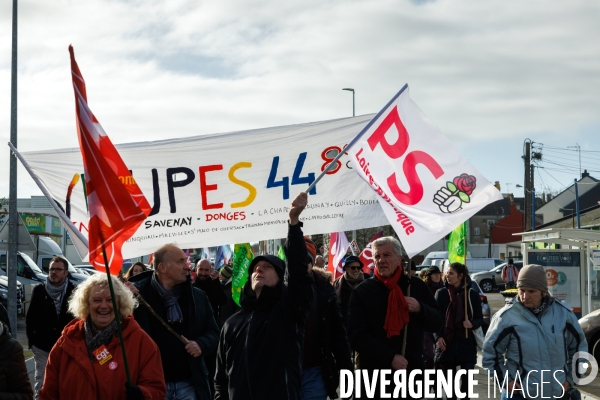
(57, 269)
(355, 268)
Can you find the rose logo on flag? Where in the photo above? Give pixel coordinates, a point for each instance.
(451, 197)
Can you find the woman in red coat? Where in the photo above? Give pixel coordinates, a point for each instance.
(87, 362)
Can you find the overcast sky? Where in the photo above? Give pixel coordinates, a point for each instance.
(489, 73)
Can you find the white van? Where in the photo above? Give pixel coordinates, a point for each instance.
(27, 272)
(437, 255)
(482, 264)
(47, 249)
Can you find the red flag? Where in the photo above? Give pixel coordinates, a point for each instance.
(116, 204)
(367, 254)
(338, 246)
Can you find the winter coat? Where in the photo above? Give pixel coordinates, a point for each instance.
(343, 291)
(230, 307)
(459, 350)
(214, 292)
(43, 325)
(14, 381)
(260, 348)
(366, 317)
(335, 350)
(531, 343)
(202, 328)
(70, 374)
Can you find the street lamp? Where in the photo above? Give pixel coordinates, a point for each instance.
(351, 90)
(353, 114)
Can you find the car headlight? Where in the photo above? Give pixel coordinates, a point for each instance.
(3, 293)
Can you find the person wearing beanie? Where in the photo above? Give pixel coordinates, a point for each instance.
(225, 273)
(260, 346)
(534, 333)
(433, 280)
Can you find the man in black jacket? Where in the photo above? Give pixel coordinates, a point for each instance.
(168, 290)
(326, 349)
(260, 347)
(389, 334)
(48, 315)
(207, 280)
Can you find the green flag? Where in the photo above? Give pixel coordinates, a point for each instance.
(281, 253)
(457, 244)
(242, 257)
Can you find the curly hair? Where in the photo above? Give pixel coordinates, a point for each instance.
(79, 303)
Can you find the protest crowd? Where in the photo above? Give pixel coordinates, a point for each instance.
(279, 326)
(294, 330)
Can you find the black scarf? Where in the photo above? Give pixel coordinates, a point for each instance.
(95, 338)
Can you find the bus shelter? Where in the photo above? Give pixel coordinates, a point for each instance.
(567, 256)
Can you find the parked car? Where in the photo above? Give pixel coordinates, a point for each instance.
(485, 307)
(437, 256)
(492, 279)
(590, 324)
(4, 294)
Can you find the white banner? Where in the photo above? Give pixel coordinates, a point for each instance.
(424, 185)
(228, 188)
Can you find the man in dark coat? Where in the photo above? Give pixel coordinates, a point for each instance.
(326, 349)
(230, 307)
(168, 290)
(47, 315)
(343, 285)
(401, 303)
(260, 348)
(207, 280)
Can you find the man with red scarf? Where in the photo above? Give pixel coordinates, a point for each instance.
(388, 315)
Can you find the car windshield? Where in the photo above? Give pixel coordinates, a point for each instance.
(427, 262)
(31, 264)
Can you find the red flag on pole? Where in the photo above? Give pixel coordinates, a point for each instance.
(117, 206)
(338, 246)
(366, 256)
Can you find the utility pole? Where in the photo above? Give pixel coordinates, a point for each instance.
(13, 214)
(578, 147)
(527, 184)
(533, 205)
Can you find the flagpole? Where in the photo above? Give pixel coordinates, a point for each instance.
(465, 285)
(356, 138)
(56, 208)
(117, 314)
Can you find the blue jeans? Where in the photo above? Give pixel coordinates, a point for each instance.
(181, 390)
(313, 385)
(516, 395)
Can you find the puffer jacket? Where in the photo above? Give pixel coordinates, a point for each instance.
(533, 343)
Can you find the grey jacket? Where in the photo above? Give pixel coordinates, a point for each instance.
(531, 344)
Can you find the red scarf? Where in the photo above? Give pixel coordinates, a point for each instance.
(397, 309)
